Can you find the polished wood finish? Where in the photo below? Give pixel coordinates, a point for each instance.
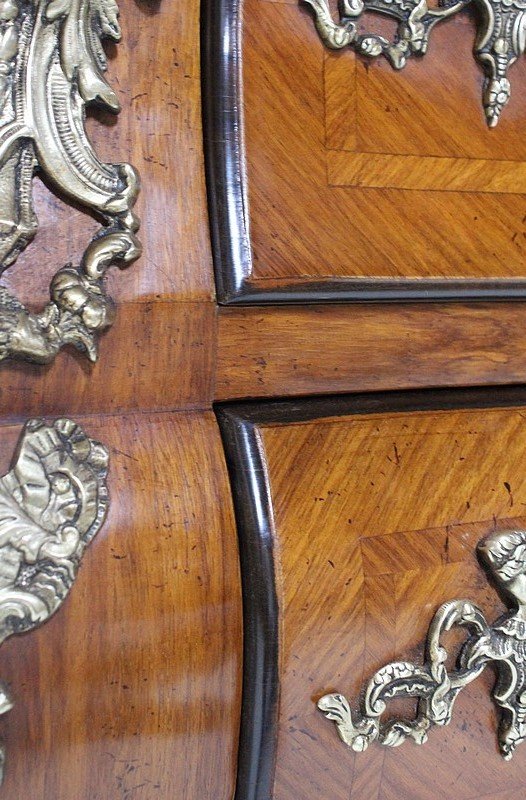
(132, 692)
(261, 684)
(376, 506)
(273, 352)
(341, 348)
(159, 354)
(433, 173)
(336, 177)
(155, 71)
(132, 689)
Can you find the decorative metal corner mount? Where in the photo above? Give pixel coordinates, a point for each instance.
(51, 67)
(502, 644)
(53, 501)
(501, 36)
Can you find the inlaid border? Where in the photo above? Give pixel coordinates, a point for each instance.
(239, 424)
(222, 91)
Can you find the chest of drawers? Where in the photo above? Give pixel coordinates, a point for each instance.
(312, 398)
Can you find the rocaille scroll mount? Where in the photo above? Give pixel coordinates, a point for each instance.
(51, 67)
(502, 644)
(53, 501)
(501, 36)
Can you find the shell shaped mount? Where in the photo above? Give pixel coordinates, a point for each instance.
(53, 501)
(502, 644)
(501, 36)
(52, 66)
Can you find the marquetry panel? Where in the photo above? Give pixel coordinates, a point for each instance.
(355, 171)
(375, 519)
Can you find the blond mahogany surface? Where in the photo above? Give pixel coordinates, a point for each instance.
(376, 519)
(356, 170)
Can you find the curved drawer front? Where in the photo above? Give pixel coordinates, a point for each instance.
(333, 176)
(358, 519)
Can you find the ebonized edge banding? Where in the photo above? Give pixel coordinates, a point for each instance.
(222, 104)
(239, 423)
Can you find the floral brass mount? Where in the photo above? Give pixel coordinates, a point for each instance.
(51, 67)
(501, 36)
(502, 644)
(52, 503)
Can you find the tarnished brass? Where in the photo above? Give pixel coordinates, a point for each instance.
(51, 67)
(52, 503)
(501, 36)
(502, 644)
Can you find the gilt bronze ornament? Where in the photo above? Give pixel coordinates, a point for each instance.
(502, 644)
(501, 36)
(52, 503)
(51, 67)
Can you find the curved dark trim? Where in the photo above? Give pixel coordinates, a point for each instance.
(239, 424)
(221, 32)
(223, 144)
(336, 290)
(259, 711)
(284, 411)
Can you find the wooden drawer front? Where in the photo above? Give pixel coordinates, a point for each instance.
(358, 519)
(335, 176)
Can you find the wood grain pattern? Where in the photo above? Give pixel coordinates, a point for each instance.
(165, 319)
(430, 108)
(329, 349)
(376, 517)
(428, 173)
(132, 689)
(158, 355)
(305, 109)
(160, 352)
(155, 71)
